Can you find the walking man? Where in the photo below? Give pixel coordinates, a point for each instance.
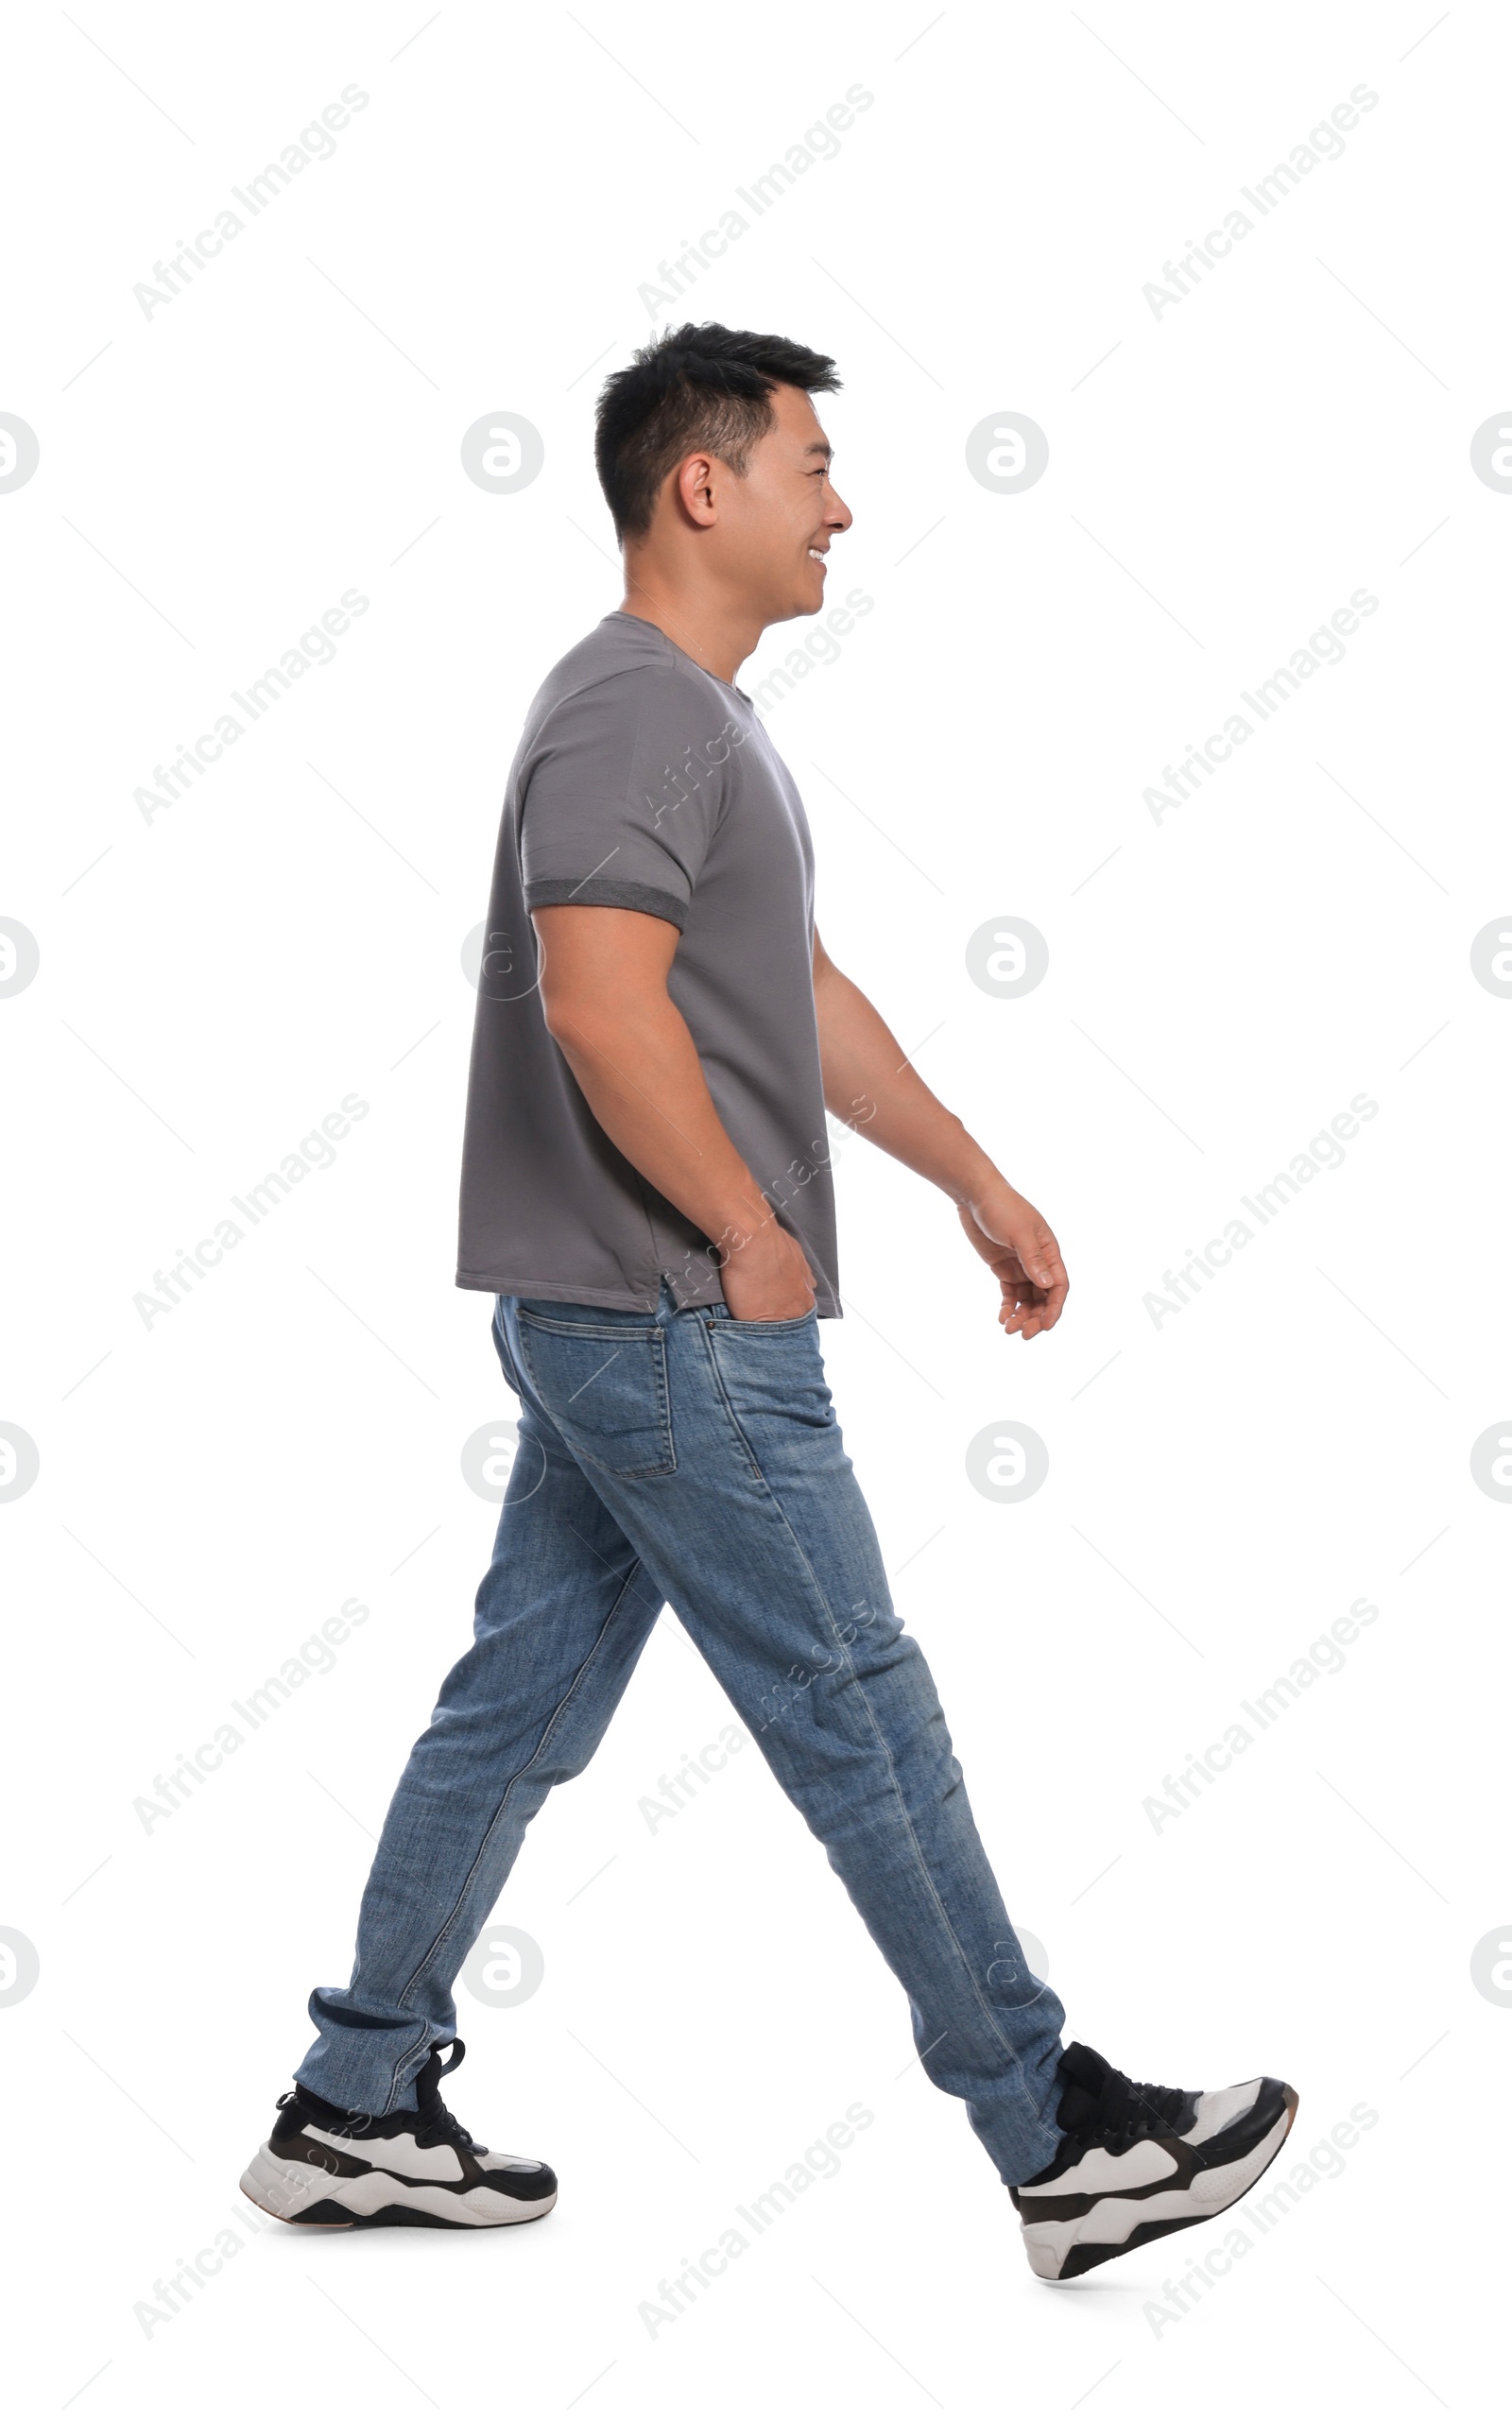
(646, 1193)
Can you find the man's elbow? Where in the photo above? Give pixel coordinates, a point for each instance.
(586, 1017)
(568, 1012)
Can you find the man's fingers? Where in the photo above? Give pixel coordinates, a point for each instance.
(1042, 1259)
(1050, 1275)
(1033, 1309)
(1025, 1260)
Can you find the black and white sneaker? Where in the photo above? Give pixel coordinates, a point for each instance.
(1141, 2160)
(325, 2167)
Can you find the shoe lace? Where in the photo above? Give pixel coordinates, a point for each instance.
(1126, 2110)
(437, 2123)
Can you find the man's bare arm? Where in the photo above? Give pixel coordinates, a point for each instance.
(605, 998)
(870, 1084)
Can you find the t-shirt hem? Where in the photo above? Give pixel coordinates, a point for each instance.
(547, 1290)
(556, 891)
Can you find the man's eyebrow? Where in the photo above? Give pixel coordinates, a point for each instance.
(821, 445)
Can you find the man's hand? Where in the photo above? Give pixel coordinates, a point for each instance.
(766, 1276)
(1023, 1255)
(872, 1084)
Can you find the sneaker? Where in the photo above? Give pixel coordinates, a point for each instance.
(326, 2167)
(1141, 2160)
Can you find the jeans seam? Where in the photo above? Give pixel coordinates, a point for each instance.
(872, 1717)
(511, 1374)
(734, 1417)
(494, 1821)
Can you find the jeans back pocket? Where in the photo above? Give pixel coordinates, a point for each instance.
(605, 1385)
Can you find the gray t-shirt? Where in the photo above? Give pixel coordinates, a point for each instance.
(642, 782)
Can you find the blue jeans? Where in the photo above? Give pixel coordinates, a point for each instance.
(686, 1457)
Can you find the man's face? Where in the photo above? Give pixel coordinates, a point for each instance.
(776, 523)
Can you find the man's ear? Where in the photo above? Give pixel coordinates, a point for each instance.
(696, 490)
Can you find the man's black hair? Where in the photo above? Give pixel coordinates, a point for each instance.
(694, 387)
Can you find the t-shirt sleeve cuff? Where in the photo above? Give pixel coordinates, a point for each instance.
(598, 892)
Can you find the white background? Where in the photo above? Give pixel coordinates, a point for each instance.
(1221, 1487)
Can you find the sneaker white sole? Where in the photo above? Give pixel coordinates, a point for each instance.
(1115, 2218)
(289, 2189)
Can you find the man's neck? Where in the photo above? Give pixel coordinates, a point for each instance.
(716, 635)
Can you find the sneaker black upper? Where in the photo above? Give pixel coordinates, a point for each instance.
(1099, 2104)
(429, 2123)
